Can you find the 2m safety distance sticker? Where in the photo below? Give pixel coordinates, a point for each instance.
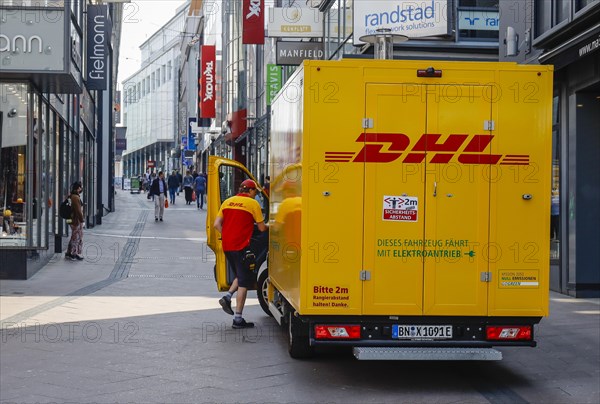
(400, 208)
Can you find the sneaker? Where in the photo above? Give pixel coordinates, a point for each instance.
(242, 324)
(225, 303)
(78, 257)
(68, 256)
(161, 219)
(156, 219)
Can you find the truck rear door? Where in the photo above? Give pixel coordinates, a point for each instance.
(457, 189)
(426, 199)
(392, 191)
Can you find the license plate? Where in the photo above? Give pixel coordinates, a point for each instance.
(400, 331)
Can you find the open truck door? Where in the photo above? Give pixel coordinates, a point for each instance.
(224, 179)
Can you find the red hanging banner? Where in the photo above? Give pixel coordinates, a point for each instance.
(207, 82)
(253, 13)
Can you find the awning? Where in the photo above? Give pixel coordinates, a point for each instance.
(578, 47)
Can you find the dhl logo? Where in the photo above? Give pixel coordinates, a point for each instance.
(473, 152)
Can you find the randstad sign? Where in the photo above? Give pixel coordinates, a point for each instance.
(413, 18)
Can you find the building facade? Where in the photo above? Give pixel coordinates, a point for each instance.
(566, 34)
(152, 129)
(57, 79)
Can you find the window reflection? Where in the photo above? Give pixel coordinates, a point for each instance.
(555, 191)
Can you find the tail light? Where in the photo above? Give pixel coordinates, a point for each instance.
(337, 331)
(510, 333)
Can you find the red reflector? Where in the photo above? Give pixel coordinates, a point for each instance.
(429, 72)
(337, 331)
(516, 332)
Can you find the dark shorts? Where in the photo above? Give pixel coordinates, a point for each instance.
(246, 278)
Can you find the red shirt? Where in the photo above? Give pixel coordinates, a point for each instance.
(239, 214)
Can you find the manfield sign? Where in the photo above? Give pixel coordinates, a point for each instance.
(293, 53)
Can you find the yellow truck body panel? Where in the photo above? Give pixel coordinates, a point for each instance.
(395, 194)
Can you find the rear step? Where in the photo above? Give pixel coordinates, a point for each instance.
(431, 354)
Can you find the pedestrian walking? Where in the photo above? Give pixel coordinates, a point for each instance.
(152, 177)
(180, 178)
(76, 223)
(188, 183)
(158, 190)
(235, 221)
(173, 183)
(267, 185)
(200, 189)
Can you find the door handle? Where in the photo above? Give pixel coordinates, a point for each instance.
(434, 188)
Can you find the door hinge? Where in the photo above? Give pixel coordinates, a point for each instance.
(489, 125)
(365, 275)
(367, 123)
(486, 277)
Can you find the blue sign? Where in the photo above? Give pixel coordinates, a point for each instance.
(191, 135)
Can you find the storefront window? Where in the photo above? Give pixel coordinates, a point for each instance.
(333, 32)
(555, 191)
(583, 3)
(338, 29)
(50, 182)
(563, 10)
(14, 115)
(478, 20)
(543, 16)
(38, 131)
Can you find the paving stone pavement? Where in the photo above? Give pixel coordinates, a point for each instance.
(138, 322)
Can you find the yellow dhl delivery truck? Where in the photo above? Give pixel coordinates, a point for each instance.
(409, 208)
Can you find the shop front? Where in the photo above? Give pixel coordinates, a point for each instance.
(40, 154)
(575, 212)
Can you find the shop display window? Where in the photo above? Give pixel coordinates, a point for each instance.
(555, 191)
(27, 144)
(14, 115)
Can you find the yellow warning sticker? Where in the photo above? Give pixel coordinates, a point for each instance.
(519, 279)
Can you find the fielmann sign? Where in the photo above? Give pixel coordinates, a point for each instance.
(98, 35)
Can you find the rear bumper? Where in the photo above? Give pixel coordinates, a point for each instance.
(420, 343)
(434, 354)
(376, 331)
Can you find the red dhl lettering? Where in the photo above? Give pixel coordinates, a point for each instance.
(388, 147)
(235, 205)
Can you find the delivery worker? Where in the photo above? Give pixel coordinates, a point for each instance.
(235, 221)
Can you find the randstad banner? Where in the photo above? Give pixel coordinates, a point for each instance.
(413, 18)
